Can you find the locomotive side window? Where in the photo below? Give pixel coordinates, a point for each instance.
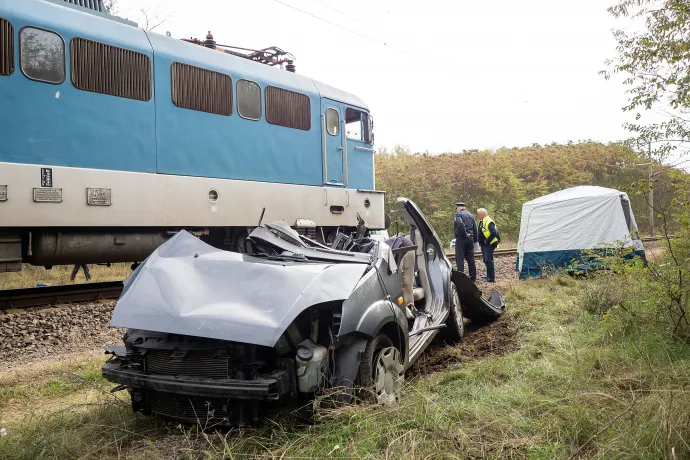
(6, 47)
(201, 89)
(353, 124)
(107, 69)
(42, 55)
(332, 122)
(249, 100)
(288, 108)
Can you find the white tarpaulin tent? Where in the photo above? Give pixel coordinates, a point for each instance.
(556, 229)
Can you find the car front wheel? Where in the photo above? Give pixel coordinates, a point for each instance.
(381, 372)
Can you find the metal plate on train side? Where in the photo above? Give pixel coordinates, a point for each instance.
(48, 195)
(46, 177)
(3, 192)
(98, 196)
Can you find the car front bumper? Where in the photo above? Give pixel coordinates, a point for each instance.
(272, 387)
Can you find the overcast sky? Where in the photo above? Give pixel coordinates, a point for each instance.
(437, 75)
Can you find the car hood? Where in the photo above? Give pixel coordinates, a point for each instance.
(188, 287)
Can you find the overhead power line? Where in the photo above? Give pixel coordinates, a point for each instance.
(347, 15)
(432, 60)
(328, 21)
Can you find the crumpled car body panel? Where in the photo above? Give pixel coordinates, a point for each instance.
(213, 335)
(188, 287)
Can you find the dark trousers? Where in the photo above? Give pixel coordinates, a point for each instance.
(488, 257)
(87, 275)
(464, 251)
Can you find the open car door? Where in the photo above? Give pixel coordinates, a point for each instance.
(432, 279)
(434, 266)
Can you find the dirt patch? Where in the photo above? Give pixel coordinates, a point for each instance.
(654, 250)
(480, 341)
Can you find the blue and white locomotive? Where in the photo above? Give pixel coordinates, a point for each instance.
(113, 138)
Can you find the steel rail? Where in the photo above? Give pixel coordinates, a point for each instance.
(66, 293)
(497, 253)
(85, 292)
(513, 251)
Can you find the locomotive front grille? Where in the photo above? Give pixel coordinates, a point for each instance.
(6, 47)
(195, 363)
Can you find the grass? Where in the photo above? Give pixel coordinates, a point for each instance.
(31, 275)
(579, 384)
(35, 386)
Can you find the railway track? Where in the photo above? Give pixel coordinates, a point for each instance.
(52, 295)
(497, 253)
(513, 251)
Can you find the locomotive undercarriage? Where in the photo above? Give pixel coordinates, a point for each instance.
(70, 246)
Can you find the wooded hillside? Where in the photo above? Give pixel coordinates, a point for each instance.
(502, 181)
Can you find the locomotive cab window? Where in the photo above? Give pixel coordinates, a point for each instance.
(332, 122)
(249, 100)
(353, 124)
(6, 47)
(42, 55)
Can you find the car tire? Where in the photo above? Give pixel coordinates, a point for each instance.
(455, 324)
(381, 371)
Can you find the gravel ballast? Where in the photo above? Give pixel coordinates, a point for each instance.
(504, 268)
(35, 334)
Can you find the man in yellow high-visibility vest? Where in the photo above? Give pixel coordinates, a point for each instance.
(488, 240)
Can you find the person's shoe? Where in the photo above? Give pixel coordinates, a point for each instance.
(484, 278)
(490, 281)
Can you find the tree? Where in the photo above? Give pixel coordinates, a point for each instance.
(502, 181)
(152, 19)
(148, 17)
(656, 59)
(110, 6)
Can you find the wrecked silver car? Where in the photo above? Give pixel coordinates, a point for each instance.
(213, 336)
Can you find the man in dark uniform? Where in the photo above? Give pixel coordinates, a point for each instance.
(465, 237)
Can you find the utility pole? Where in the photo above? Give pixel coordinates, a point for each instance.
(651, 191)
